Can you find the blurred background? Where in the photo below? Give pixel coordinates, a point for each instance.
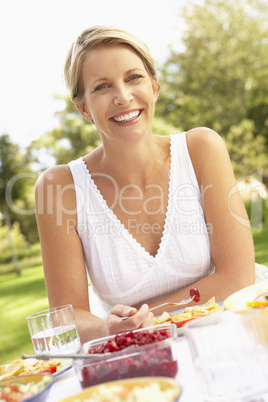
(212, 63)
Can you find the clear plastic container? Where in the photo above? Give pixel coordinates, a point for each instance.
(138, 358)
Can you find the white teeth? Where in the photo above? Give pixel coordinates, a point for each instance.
(127, 117)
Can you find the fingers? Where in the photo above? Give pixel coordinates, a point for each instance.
(149, 322)
(140, 317)
(115, 324)
(137, 318)
(123, 311)
(144, 317)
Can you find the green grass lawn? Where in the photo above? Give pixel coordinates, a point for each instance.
(26, 294)
(261, 245)
(20, 296)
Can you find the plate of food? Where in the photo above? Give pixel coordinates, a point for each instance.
(30, 388)
(252, 297)
(189, 313)
(134, 389)
(22, 367)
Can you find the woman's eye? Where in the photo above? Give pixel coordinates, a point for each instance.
(135, 77)
(101, 87)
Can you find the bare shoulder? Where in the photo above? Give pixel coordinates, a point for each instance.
(203, 139)
(60, 174)
(54, 190)
(207, 150)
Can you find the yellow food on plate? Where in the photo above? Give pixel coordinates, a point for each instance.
(24, 367)
(254, 297)
(248, 297)
(145, 389)
(11, 370)
(144, 392)
(190, 313)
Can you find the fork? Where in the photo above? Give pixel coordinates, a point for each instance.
(59, 356)
(187, 299)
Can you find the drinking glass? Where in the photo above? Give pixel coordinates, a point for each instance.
(229, 355)
(53, 331)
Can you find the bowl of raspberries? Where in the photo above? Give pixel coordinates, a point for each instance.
(147, 352)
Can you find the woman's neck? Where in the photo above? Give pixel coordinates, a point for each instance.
(138, 164)
(133, 163)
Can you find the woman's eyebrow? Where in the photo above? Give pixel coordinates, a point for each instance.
(133, 69)
(99, 79)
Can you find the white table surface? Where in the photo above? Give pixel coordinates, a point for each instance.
(67, 384)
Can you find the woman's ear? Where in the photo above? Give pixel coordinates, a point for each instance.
(81, 107)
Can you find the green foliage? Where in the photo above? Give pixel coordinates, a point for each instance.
(25, 263)
(73, 137)
(26, 252)
(246, 158)
(258, 109)
(17, 188)
(215, 80)
(23, 208)
(18, 239)
(260, 205)
(12, 163)
(260, 243)
(161, 127)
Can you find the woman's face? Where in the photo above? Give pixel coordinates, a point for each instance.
(119, 94)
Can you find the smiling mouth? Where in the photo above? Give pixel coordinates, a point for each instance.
(127, 117)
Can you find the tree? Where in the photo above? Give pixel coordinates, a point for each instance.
(12, 165)
(73, 138)
(258, 105)
(246, 159)
(17, 238)
(217, 79)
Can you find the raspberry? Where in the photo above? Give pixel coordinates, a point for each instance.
(152, 362)
(194, 292)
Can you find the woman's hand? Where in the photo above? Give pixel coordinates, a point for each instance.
(136, 318)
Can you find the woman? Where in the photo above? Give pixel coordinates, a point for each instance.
(149, 216)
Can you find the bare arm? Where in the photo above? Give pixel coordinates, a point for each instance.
(63, 260)
(229, 229)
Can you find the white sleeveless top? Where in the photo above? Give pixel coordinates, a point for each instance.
(120, 270)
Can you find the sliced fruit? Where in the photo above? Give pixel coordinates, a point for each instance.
(164, 317)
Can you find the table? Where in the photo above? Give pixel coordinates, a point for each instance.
(67, 384)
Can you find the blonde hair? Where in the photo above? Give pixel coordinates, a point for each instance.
(91, 38)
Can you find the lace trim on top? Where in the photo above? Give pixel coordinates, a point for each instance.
(115, 218)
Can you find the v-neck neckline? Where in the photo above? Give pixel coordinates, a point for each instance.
(122, 226)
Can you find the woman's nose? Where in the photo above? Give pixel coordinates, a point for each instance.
(122, 95)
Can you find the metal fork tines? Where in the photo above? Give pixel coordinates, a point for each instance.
(186, 300)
